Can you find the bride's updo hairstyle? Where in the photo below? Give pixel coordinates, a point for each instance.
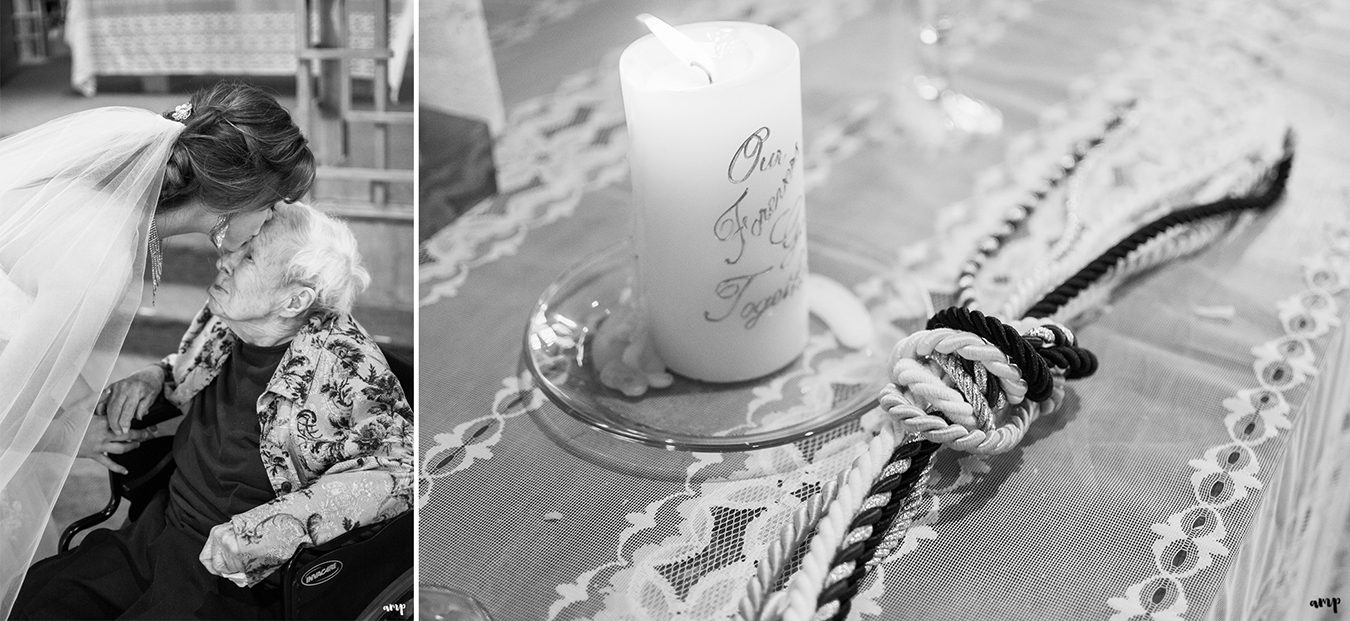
(239, 152)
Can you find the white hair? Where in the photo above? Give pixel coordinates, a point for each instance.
(322, 255)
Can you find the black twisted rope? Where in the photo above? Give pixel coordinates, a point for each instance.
(1062, 352)
(1077, 362)
(1062, 337)
(1094, 270)
(1006, 338)
(901, 486)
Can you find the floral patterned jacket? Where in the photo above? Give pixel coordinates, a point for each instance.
(336, 434)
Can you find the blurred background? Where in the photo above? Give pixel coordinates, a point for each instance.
(342, 67)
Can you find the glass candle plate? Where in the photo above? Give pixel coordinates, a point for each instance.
(442, 603)
(827, 385)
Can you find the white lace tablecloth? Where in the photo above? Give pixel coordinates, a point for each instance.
(204, 37)
(1098, 513)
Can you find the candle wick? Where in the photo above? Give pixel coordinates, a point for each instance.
(697, 65)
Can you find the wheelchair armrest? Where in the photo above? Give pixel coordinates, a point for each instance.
(341, 578)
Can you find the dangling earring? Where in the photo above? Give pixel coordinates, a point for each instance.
(218, 231)
(156, 251)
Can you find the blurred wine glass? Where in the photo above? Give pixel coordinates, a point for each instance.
(942, 31)
(442, 603)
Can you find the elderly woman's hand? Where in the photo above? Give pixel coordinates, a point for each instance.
(130, 398)
(221, 555)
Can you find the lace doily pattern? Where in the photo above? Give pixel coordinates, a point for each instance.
(721, 528)
(1189, 540)
(473, 440)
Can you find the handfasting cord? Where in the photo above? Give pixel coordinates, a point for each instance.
(952, 381)
(1020, 213)
(1132, 211)
(881, 496)
(1097, 268)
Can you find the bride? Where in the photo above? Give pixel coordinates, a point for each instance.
(85, 201)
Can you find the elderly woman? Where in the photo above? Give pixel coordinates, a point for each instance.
(295, 432)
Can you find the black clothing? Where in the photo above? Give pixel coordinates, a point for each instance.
(145, 570)
(218, 468)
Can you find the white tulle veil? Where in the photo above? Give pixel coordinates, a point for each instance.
(77, 195)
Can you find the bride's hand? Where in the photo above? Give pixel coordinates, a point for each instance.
(100, 441)
(130, 398)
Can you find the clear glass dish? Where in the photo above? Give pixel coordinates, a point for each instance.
(828, 385)
(442, 603)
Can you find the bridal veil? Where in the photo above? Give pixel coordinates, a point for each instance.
(77, 195)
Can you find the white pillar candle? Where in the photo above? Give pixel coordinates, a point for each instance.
(720, 224)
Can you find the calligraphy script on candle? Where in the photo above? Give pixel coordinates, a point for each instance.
(776, 222)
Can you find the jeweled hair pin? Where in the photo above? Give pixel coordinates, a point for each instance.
(181, 112)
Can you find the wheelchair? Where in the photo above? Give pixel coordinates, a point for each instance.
(364, 574)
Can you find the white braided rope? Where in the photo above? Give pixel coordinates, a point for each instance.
(759, 603)
(957, 436)
(914, 382)
(810, 578)
(970, 346)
